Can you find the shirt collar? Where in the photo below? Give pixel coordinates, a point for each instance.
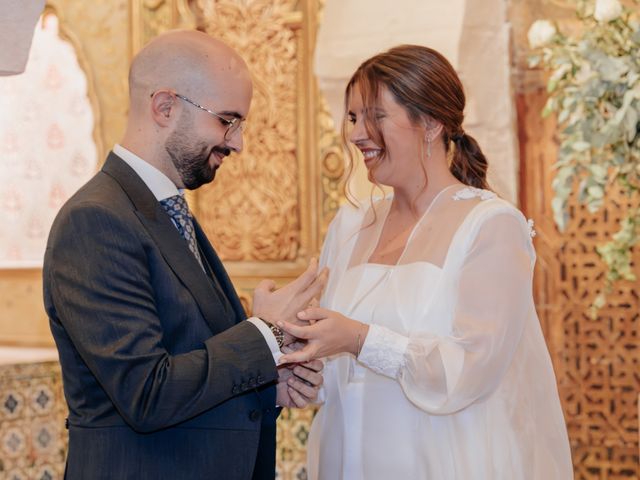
(159, 184)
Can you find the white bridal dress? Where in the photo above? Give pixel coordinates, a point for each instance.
(454, 380)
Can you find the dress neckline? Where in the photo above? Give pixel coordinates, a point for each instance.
(415, 226)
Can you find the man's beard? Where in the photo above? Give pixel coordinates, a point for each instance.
(190, 159)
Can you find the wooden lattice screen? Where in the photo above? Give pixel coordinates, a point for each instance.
(596, 361)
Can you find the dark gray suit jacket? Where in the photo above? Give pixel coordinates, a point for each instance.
(161, 376)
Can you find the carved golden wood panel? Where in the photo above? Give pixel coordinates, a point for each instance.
(252, 211)
(596, 361)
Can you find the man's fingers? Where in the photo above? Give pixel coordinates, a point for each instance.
(289, 348)
(301, 356)
(293, 347)
(315, 365)
(325, 273)
(312, 378)
(266, 286)
(314, 289)
(320, 282)
(307, 278)
(302, 388)
(298, 399)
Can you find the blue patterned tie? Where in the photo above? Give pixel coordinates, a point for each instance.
(177, 208)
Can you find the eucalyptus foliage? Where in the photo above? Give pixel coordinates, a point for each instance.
(594, 89)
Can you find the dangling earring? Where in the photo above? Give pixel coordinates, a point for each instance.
(428, 148)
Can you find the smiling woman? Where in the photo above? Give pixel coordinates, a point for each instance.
(428, 310)
(404, 104)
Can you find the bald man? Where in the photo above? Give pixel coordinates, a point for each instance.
(164, 376)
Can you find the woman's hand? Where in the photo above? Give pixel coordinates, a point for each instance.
(328, 333)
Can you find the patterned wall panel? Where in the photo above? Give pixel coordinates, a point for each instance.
(597, 361)
(252, 211)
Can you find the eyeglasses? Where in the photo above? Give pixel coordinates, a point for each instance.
(232, 124)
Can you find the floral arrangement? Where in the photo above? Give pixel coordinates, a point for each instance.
(594, 89)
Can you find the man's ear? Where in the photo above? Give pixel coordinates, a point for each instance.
(163, 108)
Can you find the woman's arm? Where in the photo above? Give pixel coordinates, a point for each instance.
(443, 374)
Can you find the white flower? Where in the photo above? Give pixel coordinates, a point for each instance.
(540, 33)
(607, 10)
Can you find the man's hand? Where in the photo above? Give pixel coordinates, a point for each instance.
(284, 303)
(298, 384)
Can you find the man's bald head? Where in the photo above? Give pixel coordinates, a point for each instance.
(188, 62)
(189, 94)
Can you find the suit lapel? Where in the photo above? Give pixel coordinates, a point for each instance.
(171, 245)
(219, 272)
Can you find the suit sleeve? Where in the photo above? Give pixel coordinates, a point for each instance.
(101, 292)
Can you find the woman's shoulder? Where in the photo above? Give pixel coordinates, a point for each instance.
(489, 210)
(469, 192)
(488, 204)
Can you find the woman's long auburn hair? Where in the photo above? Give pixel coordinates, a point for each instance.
(427, 86)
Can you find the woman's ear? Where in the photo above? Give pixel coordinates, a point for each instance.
(433, 129)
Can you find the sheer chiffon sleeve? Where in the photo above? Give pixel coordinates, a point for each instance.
(493, 297)
(336, 243)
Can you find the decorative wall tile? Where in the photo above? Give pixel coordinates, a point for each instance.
(32, 412)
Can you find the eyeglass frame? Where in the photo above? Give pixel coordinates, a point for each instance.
(233, 125)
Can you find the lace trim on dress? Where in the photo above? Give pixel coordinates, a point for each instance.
(473, 192)
(384, 351)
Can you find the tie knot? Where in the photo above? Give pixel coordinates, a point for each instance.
(176, 206)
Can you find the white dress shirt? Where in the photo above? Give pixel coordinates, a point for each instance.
(162, 187)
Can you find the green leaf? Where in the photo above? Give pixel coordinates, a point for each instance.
(560, 216)
(594, 87)
(548, 108)
(600, 301)
(596, 192)
(581, 146)
(631, 124)
(563, 115)
(599, 172)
